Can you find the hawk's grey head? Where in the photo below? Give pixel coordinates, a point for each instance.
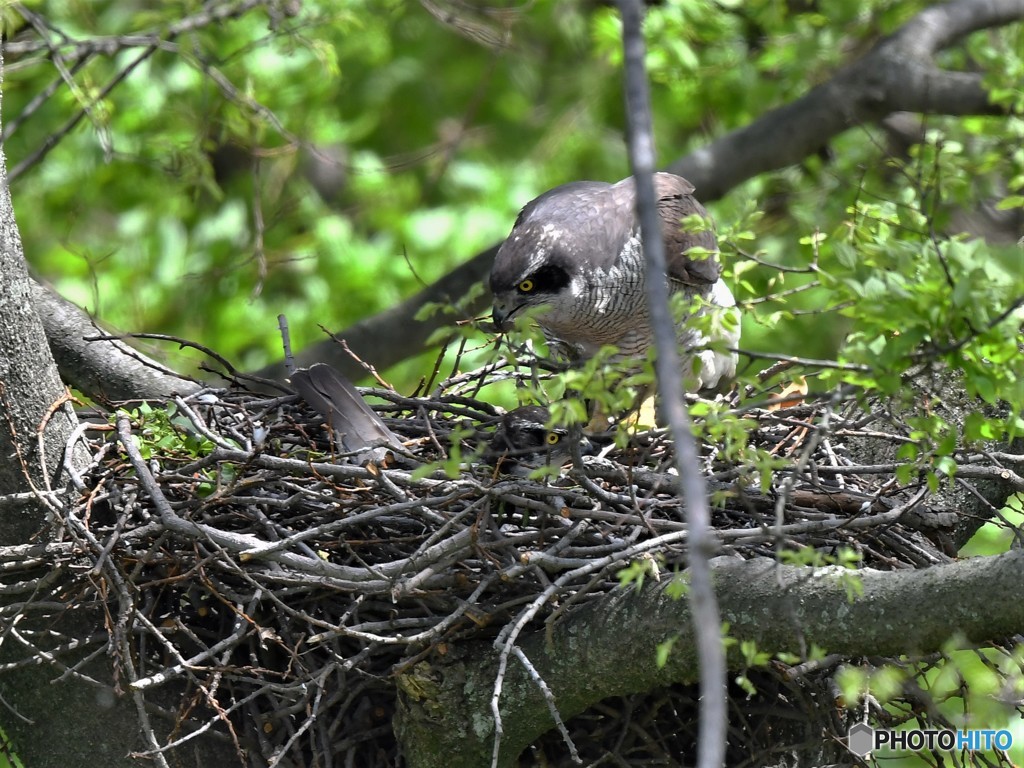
(575, 254)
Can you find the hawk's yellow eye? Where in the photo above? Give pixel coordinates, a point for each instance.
(526, 286)
(554, 438)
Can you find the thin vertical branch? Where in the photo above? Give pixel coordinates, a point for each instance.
(704, 606)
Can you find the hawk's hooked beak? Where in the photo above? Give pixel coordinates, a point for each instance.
(502, 316)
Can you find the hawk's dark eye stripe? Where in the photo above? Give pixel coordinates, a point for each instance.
(549, 279)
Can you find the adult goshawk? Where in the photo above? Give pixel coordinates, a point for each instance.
(575, 251)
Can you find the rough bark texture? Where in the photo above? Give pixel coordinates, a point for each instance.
(778, 607)
(974, 500)
(50, 725)
(29, 387)
(445, 717)
(86, 730)
(74, 723)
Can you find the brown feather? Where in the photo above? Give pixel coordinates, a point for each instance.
(675, 203)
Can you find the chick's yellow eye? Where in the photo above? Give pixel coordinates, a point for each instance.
(554, 438)
(526, 286)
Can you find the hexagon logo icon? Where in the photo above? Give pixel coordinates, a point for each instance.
(860, 739)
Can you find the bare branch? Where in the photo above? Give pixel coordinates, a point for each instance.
(777, 607)
(381, 572)
(395, 334)
(899, 74)
(104, 370)
(668, 366)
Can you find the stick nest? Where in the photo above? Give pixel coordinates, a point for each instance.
(283, 588)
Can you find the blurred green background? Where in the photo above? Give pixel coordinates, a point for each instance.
(176, 172)
(326, 165)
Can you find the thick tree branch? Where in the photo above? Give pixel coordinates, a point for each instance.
(104, 370)
(74, 723)
(34, 424)
(781, 608)
(942, 25)
(395, 334)
(898, 74)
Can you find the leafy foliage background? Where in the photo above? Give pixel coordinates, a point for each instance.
(183, 203)
(326, 164)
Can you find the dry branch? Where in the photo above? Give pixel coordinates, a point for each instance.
(298, 598)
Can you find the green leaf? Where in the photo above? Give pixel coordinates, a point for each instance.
(905, 473)
(1010, 201)
(663, 651)
(678, 587)
(977, 427)
(877, 345)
